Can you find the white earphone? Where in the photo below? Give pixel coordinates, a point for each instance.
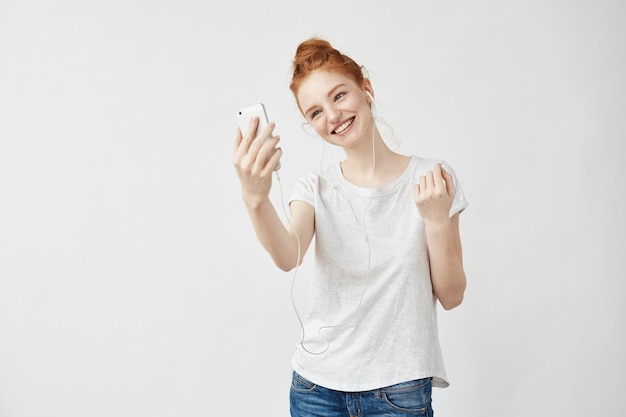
(369, 95)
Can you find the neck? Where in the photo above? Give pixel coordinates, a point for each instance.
(372, 164)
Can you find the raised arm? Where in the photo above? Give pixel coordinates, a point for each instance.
(255, 159)
(434, 195)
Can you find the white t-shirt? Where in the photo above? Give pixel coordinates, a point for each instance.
(372, 286)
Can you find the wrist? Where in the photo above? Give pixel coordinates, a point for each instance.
(438, 224)
(255, 203)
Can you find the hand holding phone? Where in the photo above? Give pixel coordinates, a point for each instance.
(244, 115)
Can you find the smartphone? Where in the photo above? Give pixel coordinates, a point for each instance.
(244, 115)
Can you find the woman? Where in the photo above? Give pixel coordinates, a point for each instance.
(387, 248)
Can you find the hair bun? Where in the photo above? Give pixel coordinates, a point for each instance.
(316, 53)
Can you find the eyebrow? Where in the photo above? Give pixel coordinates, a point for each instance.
(330, 93)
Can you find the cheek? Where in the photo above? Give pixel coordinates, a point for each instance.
(318, 126)
(320, 131)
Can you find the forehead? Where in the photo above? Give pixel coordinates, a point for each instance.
(318, 84)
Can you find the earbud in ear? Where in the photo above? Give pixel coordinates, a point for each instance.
(369, 95)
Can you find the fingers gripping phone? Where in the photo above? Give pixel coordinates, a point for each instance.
(244, 115)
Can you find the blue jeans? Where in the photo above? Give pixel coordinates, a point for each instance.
(410, 398)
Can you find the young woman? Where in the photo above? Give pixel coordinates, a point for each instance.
(387, 249)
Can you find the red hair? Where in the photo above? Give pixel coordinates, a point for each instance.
(316, 53)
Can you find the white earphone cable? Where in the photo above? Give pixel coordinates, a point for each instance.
(299, 254)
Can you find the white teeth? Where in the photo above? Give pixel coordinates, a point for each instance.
(344, 126)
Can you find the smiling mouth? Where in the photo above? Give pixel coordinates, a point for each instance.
(343, 127)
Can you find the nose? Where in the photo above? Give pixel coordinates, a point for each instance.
(333, 114)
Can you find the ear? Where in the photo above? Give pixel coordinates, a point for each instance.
(367, 88)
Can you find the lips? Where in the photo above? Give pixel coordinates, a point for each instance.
(343, 126)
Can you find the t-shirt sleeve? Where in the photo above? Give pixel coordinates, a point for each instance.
(305, 189)
(459, 203)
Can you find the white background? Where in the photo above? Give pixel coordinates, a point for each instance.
(131, 283)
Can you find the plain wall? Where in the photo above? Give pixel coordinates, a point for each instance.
(131, 282)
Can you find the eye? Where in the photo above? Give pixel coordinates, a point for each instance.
(314, 114)
(339, 96)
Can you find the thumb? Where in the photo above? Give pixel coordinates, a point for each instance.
(449, 180)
